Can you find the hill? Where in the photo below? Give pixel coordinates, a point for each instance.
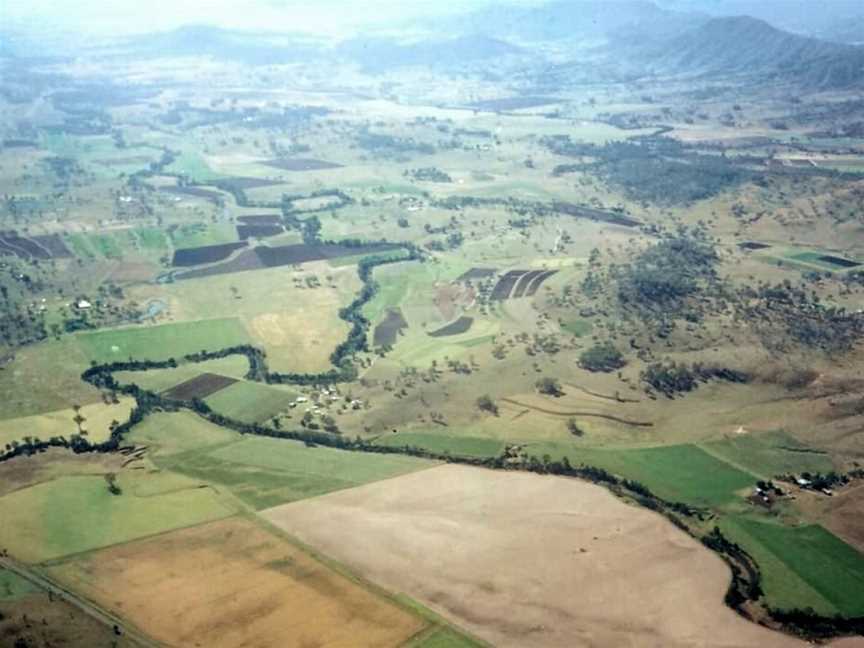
(378, 53)
(746, 45)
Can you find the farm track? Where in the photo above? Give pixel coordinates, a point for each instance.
(609, 417)
(84, 605)
(603, 396)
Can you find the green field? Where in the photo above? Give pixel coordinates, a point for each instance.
(683, 473)
(75, 514)
(12, 586)
(250, 402)
(233, 366)
(443, 443)
(196, 234)
(803, 566)
(578, 327)
(168, 434)
(267, 472)
(769, 454)
(163, 341)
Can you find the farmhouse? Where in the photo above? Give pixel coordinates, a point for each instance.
(83, 304)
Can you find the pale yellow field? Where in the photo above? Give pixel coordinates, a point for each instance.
(230, 584)
(61, 423)
(523, 560)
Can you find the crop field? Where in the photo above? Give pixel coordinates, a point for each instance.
(770, 454)
(490, 580)
(267, 472)
(683, 473)
(803, 566)
(444, 443)
(250, 402)
(165, 434)
(232, 582)
(95, 422)
(74, 514)
(200, 386)
(163, 341)
(157, 380)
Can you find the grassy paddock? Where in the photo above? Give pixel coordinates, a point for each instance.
(267, 472)
(804, 566)
(12, 586)
(162, 341)
(684, 473)
(250, 402)
(455, 445)
(74, 514)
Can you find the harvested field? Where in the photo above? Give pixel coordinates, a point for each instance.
(24, 248)
(195, 192)
(505, 284)
(301, 164)
(526, 560)
(260, 219)
(243, 184)
(526, 279)
(461, 325)
(233, 584)
(53, 244)
(258, 231)
(246, 260)
(301, 253)
(199, 387)
(477, 273)
(205, 254)
(537, 282)
(386, 332)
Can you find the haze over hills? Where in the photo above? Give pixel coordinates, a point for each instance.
(742, 44)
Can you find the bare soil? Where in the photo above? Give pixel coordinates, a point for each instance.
(525, 560)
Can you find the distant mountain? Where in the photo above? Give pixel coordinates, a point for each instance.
(810, 17)
(849, 31)
(251, 48)
(745, 45)
(577, 19)
(378, 53)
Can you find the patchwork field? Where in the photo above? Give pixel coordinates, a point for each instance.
(78, 513)
(232, 584)
(265, 472)
(463, 541)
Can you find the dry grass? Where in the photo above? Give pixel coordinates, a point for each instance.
(232, 584)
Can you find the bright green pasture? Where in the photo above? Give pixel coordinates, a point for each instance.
(443, 443)
(683, 473)
(250, 402)
(168, 434)
(75, 514)
(804, 566)
(266, 472)
(769, 454)
(163, 341)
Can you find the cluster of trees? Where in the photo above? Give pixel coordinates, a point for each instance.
(672, 378)
(602, 357)
(429, 174)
